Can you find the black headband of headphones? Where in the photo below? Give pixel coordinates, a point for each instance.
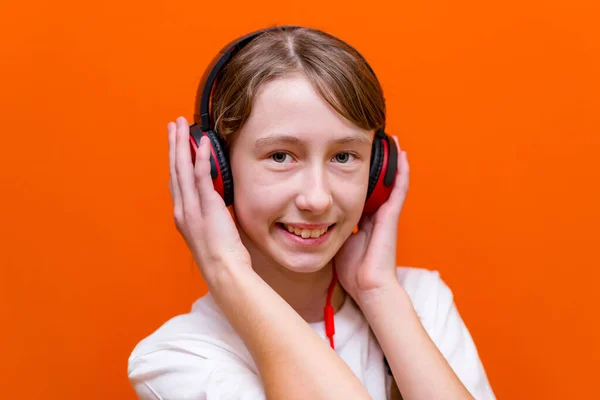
(210, 75)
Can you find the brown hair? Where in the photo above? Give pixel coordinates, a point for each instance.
(336, 70)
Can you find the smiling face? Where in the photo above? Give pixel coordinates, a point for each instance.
(300, 173)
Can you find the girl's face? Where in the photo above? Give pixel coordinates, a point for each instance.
(298, 166)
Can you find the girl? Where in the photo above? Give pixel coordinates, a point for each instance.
(298, 110)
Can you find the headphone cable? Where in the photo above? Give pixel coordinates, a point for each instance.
(328, 312)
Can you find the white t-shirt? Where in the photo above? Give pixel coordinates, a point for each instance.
(200, 356)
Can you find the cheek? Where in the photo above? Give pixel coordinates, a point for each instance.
(350, 192)
(352, 205)
(255, 199)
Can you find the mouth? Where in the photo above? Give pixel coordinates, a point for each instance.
(305, 233)
(303, 237)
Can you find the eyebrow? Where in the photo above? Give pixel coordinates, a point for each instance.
(288, 139)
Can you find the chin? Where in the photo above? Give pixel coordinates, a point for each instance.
(303, 263)
(301, 258)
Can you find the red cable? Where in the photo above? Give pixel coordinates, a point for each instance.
(328, 312)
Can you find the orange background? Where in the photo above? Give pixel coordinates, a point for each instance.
(497, 106)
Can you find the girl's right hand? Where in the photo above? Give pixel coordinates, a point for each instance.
(200, 212)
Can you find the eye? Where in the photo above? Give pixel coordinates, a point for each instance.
(343, 157)
(279, 157)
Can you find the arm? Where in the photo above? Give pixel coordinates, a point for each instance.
(366, 266)
(294, 362)
(197, 355)
(420, 370)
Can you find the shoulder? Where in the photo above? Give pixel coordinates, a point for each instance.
(415, 280)
(427, 292)
(433, 302)
(203, 325)
(190, 356)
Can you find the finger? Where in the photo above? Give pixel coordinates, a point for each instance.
(397, 143)
(403, 171)
(173, 184)
(204, 183)
(402, 179)
(396, 200)
(184, 168)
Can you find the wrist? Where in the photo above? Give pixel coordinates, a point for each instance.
(222, 275)
(383, 296)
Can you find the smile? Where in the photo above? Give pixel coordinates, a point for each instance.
(306, 234)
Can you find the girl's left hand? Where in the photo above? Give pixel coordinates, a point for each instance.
(367, 260)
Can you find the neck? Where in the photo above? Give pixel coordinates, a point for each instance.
(306, 293)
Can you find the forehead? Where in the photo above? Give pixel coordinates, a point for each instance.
(291, 106)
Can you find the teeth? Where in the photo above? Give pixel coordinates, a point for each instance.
(306, 233)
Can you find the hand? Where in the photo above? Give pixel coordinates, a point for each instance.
(200, 212)
(367, 260)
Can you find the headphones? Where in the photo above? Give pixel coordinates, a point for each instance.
(384, 154)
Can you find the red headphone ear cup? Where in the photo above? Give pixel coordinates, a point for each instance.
(219, 151)
(220, 171)
(382, 173)
(375, 165)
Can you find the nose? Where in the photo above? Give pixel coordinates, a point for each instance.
(314, 195)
